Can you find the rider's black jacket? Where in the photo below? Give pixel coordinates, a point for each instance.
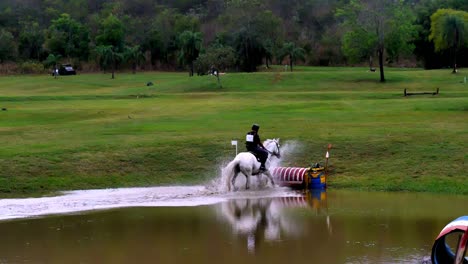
(251, 146)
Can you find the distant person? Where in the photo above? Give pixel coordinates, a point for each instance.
(56, 72)
(254, 144)
(214, 71)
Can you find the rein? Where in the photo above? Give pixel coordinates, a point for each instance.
(274, 154)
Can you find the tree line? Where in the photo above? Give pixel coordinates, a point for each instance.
(241, 35)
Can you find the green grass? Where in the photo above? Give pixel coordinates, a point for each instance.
(88, 131)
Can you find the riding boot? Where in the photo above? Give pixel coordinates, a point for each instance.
(262, 167)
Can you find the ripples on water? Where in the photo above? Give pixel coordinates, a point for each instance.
(186, 223)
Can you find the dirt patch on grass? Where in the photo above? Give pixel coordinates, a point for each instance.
(277, 78)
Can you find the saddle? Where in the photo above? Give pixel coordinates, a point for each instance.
(256, 156)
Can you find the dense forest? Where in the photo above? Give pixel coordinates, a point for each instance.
(240, 35)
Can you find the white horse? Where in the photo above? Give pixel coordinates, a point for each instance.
(247, 163)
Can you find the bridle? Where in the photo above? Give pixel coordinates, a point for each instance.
(278, 154)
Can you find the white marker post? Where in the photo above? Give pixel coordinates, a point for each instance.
(234, 143)
(327, 155)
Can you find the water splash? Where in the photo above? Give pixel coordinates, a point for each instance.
(88, 200)
(219, 183)
(288, 150)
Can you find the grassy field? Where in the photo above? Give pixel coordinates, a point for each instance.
(89, 131)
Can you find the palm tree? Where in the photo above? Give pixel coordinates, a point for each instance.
(293, 52)
(454, 28)
(268, 49)
(52, 61)
(190, 44)
(134, 55)
(449, 30)
(108, 56)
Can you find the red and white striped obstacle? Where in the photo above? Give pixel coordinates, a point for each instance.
(297, 177)
(314, 177)
(290, 175)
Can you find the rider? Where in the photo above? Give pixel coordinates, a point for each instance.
(254, 144)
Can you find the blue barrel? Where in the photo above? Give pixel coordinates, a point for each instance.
(317, 180)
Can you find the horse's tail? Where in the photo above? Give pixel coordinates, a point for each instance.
(230, 171)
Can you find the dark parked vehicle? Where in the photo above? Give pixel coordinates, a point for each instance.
(66, 69)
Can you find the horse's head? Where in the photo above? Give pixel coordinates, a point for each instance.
(273, 147)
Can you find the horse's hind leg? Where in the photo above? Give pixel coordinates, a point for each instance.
(233, 181)
(247, 175)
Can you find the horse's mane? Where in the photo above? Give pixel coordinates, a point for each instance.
(268, 141)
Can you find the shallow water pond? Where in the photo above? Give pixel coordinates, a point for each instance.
(192, 225)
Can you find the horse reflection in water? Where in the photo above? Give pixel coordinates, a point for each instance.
(265, 219)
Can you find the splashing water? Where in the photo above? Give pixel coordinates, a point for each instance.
(288, 149)
(218, 184)
(77, 201)
(88, 200)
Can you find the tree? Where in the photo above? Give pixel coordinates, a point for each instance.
(51, 62)
(269, 51)
(110, 41)
(190, 44)
(111, 32)
(397, 43)
(7, 45)
(153, 43)
(270, 33)
(249, 49)
(108, 56)
(68, 38)
(134, 56)
(31, 40)
(252, 31)
(162, 39)
(293, 53)
(424, 48)
(215, 58)
(221, 57)
(374, 23)
(329, 50)
(449, 30)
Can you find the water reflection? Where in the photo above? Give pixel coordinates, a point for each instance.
(271, 219)
(271, 226)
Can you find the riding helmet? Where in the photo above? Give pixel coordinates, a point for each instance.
(255, 127)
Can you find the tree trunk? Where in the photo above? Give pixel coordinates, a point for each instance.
(290, 63)
(113, 70)
(454, 63)
(134, 68)
(219, 81)
(380, 53)
(455, 52)
(191, 69)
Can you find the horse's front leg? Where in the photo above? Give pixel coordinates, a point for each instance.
(247, 181)
(268, 174)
